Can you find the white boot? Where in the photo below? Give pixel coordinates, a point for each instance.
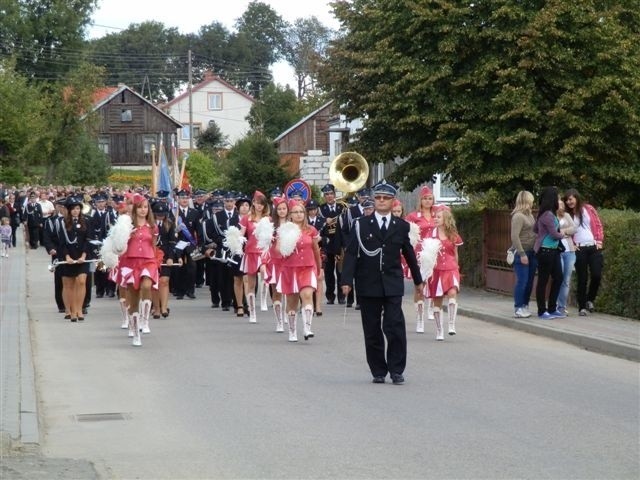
(145, 312)
(137, 336)
(277, 310)
(251, 300)
(430, 309)
(438, 322)
(125, 313)
(264, 293)
(452, 311)
(293, 335)
(307, 317)
(419, 316)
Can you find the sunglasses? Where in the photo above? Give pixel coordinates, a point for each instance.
(383, 197)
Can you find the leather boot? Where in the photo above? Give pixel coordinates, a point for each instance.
(137, 335)
(419, 316)
(277, 310)
(438, 322)
(293, 334)
(125, 313)
(145, 312)
(453, 312)
(251, 301)
(307, 316)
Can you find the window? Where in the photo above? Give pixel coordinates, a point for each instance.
(148, 141)
(215, 101)
(126, 116)
(103, 145)
(186, 131)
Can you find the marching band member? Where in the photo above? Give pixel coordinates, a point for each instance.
(252, 258)
(102, 220)
(301, 267)
(74, 248)
(210, 230)
(139, 268)
(318, 223)
(166, 242)
(51, 241)
(32, 215)
(274, 266)
(187, 222)
(331, 211)
(243, 207)
(425, 218)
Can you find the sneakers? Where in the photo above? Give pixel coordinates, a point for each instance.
(564, 311)
(522, 313)
(584, 312)
(590, 307)
(546, 316)
(557, 314)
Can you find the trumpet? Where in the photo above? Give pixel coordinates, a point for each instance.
(52, 266)
(199, 254)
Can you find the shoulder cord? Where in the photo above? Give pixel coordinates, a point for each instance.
(66, 236)
(369, 253)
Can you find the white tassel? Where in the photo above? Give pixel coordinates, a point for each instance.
(264, 233)
(414, 234)
(109, 257)
(234, 240)
(288, 235)
(120, 234)
(428, 257)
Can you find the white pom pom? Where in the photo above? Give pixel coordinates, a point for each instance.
(234, 240)
(414, 234)
(264, 233)
(288, 235)
(428, 257)
(108, 256)
(120, 234)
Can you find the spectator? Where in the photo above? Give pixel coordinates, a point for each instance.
(568, 257)
(525, 261)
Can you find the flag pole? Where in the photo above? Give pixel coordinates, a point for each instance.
(154, 171)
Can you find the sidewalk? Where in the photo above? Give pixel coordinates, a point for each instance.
(19, 428)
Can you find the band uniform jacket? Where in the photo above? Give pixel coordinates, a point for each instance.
(224, 222)
(167, 240)
(51, 232)
(379, 275)
(102, 223)
(331, 235)
(191, 219)
(348, 217)
(33, 214)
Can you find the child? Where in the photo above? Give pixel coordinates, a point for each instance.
(5, 236)
(445, 280)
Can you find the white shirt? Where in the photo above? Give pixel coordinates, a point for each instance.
(380, 217)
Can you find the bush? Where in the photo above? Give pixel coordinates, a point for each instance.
(619, 294)
(89, 165)
(202, 172)
(11, 175)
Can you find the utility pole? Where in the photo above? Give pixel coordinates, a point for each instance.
(190, 107)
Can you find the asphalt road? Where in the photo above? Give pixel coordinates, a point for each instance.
(209, 395)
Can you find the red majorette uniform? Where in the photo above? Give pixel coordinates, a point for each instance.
(274, 263)
(446, 273)
(299, 270)
(140, 258)
(252, 258)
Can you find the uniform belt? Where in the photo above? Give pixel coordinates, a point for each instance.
(586, 245)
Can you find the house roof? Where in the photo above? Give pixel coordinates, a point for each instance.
(104, 95)
(311, 115)
(208, 78)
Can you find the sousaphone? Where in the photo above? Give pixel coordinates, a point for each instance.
(349, 172)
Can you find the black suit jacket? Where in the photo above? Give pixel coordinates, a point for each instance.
(375, 276)
(331, 235)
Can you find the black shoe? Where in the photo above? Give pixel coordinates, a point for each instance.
(166, 314)
(378, 379)
(191, 296)
(318, 314)
(199, 285)
(225, 309)
(357, 307)
(349, 305)
(84, 311)
(215, 305)
(67, 317)
(99, 295)
(342, 302)
(80, 319)
(74, 319)
(61, 310)
(330, 302)
(179, 297)
(111, 294)
(397, 378)
(156, 316)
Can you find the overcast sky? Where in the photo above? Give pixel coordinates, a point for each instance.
(189, 15)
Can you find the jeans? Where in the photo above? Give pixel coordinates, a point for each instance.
(568, 260)
(589, 260)
(524, 279)
(549, 268)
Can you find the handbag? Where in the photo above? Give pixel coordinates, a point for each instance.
(511, 255)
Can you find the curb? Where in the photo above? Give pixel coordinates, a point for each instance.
(591, 343)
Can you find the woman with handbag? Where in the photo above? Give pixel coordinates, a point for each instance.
(524, 261)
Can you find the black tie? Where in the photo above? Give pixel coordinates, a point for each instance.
(383, 229)
(229, 215)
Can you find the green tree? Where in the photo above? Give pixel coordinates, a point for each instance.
(504, 94)
(255, 165)
(147, 57)
(276, 110)
(202, 171)
(86, 165)
(44, 36)
(211, 139)
(305, 49)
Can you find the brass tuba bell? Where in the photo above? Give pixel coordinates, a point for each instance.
(348, 172)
